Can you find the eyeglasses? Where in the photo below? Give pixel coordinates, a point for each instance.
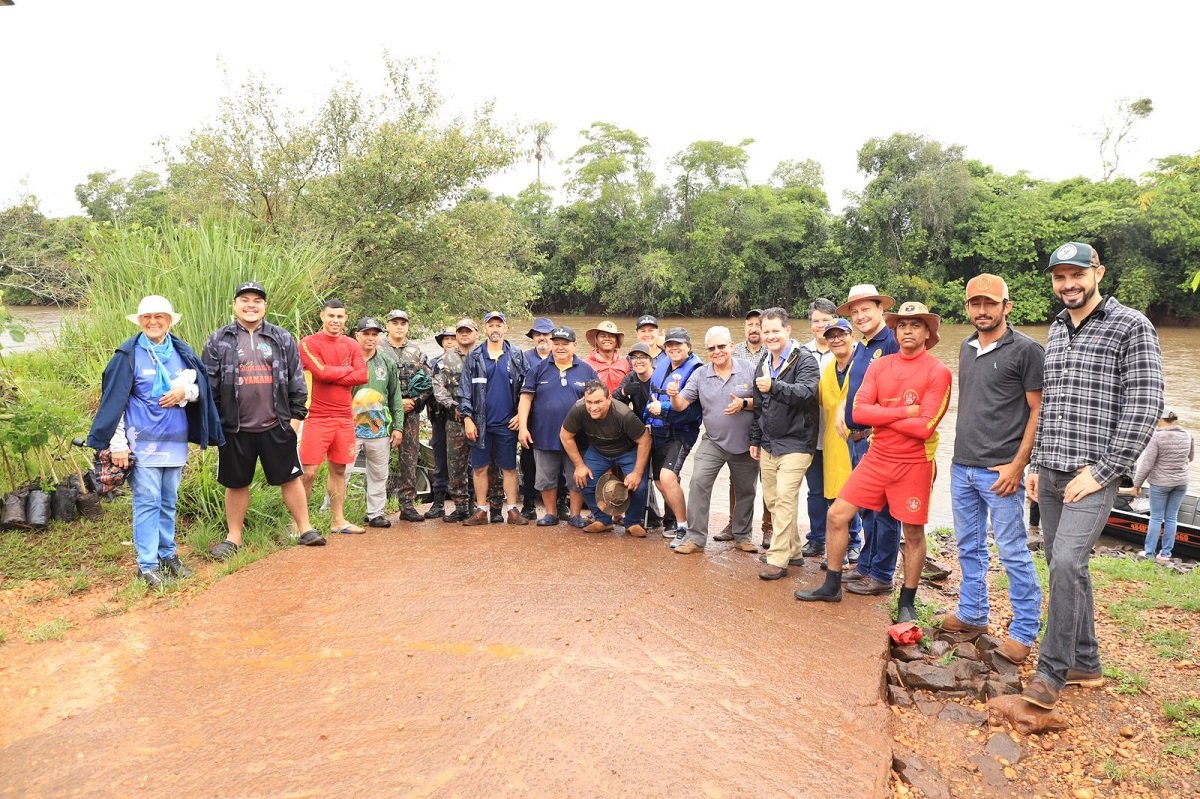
(721, 347)
(836, 337)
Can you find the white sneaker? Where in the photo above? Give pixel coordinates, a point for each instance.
(1162, 559)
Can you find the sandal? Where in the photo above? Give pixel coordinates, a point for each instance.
(349, 529)
(223, 551)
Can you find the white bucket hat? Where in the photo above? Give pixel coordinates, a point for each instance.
(155, 304)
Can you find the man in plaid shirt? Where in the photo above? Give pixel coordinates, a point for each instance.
(1102, 395)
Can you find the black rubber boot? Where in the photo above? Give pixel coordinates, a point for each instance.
(830, 590)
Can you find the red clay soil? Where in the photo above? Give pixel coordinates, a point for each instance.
(430, 660)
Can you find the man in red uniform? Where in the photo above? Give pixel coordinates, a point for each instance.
(903, 397)
(337, 365)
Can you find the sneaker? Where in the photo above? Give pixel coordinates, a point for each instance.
(378, 521)
(477, 518)
(1040, 693)
(852, 555)
(1085, 679)
(687, 548)
(1160, 558)
(578, 521)
(515, 517)
(812, 549)
(174, 567)
(665, 533)
(410, 514)
(657, 529)
(549, 520)
(151, 577)
(1143, 556)
(680, 534)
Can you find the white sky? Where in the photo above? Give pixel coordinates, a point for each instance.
(1023, 85)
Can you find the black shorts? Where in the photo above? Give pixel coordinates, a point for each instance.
(669, 453)
(276, 448)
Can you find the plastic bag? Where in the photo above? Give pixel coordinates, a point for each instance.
(13, 516)
(37, 509)
(63, 506)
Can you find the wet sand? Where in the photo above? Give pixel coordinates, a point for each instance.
(438, 660)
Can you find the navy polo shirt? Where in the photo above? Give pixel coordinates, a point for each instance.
(499, 396)
(883, 344)
(552, 399)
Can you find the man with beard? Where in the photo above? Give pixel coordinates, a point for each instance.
(417, 380)
(488, 397)
(1102, 396)
(999, 394)
(903, 397)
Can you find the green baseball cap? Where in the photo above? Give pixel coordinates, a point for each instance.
(1075, 253)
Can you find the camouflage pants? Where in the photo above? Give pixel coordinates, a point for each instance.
(458, 469)
(403, 477)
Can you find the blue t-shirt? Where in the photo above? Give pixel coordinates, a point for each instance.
(883, 344)
(554, 393)
(532, 359)
(500, 409)
(157, 436)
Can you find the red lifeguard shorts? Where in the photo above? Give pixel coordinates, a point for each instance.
(326, 437)
(903, 487)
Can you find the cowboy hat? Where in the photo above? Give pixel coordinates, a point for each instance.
(155, 304)
(865, 291)
(605, 327)
(612, 497)
(916, 310)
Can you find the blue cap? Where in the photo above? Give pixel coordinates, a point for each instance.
(490, 315)
(540, 325)
(839, 324)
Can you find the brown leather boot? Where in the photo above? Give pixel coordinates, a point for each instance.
(479, 517)
(515, 517)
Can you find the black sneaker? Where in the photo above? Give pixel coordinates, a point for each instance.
(151, 577)
(410, 514)
(812, 549)
(175, 567)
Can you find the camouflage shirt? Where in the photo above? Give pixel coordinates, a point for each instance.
(446, 380)
(411, 360)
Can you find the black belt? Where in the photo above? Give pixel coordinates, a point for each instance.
(859, 435)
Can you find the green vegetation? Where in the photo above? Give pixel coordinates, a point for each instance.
(1170, 644)
(1128, 682)
(49, 631)
(1186, 716)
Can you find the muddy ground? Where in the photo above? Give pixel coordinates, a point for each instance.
(430, 660)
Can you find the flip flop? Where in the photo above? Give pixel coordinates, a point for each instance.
(349, 529)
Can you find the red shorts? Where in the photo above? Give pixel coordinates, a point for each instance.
(325, 437)
(903, 487)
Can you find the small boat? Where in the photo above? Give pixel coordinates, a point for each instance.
(1129, 520)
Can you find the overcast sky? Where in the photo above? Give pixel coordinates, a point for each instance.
(93, 85)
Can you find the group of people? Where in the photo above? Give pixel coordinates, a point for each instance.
(854, 412)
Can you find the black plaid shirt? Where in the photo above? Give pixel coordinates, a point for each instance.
(1102, 393)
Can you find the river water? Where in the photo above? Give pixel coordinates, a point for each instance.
(1179, 346)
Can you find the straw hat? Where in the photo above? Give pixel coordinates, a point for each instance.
(865, 291)
(916, 310)
(154, 304)
(612, 496)
(606, 327)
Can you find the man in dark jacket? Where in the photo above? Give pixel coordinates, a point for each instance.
(783, 436)
(254, 369)
(488, 397)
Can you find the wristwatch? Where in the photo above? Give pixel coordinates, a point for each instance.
(745, 404)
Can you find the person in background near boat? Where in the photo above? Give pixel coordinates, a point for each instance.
(378, 411)
(835, 451)
(336, 364)
(674, 432)
(551, 389)
(439, 484)
(540, 333)
(724, 389)
(999, 394)
(605, 356)
(749, 350)
(821, 314)
(618, 441)
(258, 384)
(416, 378)
(446, 381)
(488, 397)
(783, 436)
(1102, 394)
(1165, 465)
(903, 397)
(154, 399)
(875, 554)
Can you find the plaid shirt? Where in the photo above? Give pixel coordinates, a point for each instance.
(1102, 393)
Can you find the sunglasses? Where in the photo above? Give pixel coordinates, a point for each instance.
(721, 347)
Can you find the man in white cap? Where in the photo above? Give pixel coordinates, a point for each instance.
(903, 397)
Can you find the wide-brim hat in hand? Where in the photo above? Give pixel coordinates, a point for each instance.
(865, 291)
(606, 327)
(155, 304)
(916, 310)
(612, 496)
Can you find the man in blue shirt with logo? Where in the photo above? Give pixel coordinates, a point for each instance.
(550, 390)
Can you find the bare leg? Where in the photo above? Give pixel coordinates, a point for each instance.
(237, 501)
(336, 486)
(511, 495)
(914, 554)
(296, 501)
(480, 478)
(668, 484)
(310, 475)
(550, 499)
(837, 533)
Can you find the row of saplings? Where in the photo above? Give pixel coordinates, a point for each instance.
(33, 506)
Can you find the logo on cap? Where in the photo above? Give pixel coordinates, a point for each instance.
(1066, 252)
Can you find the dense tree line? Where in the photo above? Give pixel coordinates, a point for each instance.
(396, 191)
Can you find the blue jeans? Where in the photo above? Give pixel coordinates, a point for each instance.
(1164, 508)
(600, 463)
(1071, 531)
(818, 507)
(881, 533)
(973, 501)
(155, 490)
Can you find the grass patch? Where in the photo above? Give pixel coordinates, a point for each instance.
(1185, 715)
(64, 551)
(3, 637)
(1169, 644)
(1115, 771)
(1180, 747)
(48, 631)
(1128, 682)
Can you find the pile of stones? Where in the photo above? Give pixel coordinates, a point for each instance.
(956, 665)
